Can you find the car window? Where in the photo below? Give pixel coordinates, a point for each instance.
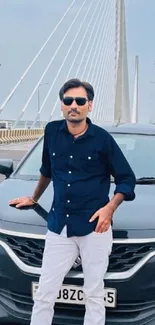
(138, 149)
(32, 164)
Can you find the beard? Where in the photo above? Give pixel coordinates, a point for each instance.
(74, 120)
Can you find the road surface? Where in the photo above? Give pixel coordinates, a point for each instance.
(14, 151)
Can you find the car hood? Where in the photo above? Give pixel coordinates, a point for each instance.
(135, 215)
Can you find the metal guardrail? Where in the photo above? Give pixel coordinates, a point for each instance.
(19, 135)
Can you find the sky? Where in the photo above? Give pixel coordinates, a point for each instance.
(26, 24)
(141, 41)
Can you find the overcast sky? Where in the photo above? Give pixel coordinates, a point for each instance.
(25, 25)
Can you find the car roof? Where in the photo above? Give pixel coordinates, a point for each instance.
(136, 128)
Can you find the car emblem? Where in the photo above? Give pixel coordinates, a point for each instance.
(77, 262)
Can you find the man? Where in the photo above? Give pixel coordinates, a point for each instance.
(79, 157)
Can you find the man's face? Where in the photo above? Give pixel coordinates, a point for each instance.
(76, 112)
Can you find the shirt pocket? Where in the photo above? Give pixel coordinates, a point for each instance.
(90, 161)
(57, 159)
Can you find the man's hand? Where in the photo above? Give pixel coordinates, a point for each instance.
(30, 201)
(104, 216)
(22, 202)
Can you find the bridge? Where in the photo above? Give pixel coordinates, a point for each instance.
(91, 44)
(95, 39)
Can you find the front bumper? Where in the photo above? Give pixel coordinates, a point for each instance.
(135, 296)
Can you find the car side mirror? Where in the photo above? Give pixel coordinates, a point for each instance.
(6, 167)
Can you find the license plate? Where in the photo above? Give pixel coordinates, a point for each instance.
(70, 294)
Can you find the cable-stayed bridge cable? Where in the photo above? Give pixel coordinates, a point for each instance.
(101, 103)
(95, 80)
(90, 37)
(104, 104)
(49, 64)
(105, 36)
(100, 78)
(77, 53)
(100, 47)
(66, 56)
(92, 67)
(34, 59)
(107, 97)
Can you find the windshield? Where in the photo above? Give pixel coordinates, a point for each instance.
(31, 166)
(138, 149)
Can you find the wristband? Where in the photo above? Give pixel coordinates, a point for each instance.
(33, 200)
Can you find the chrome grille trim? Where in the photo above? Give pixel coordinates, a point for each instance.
(109, 275)
(115, 241)
(22, 234)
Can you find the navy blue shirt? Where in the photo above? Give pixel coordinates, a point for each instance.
(81, 170)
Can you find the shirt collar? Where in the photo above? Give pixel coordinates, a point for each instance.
(90, 130)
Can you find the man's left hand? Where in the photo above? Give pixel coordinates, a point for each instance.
(104, 216)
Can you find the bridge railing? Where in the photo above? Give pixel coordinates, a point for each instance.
(19, 135)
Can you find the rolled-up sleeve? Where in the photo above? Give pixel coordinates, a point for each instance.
(120, 169)
(45, 169)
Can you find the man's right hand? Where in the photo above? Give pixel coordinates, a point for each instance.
(22, 202)
(30, 201)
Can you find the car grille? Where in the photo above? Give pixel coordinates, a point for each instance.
(123, 256)
(21, 304)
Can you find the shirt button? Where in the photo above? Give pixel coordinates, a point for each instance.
(68, 201)
(69, 185)
(70, 172)
(89, 158)
(71, 157)
(67, 215)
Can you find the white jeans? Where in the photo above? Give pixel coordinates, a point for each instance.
(59, 256)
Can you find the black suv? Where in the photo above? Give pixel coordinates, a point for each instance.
(130, 280)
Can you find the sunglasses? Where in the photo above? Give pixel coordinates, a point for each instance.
(80, 101)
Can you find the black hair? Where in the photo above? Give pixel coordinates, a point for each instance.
(76, 83)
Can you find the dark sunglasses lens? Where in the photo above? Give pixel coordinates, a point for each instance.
(81, 101)
(67, 101)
